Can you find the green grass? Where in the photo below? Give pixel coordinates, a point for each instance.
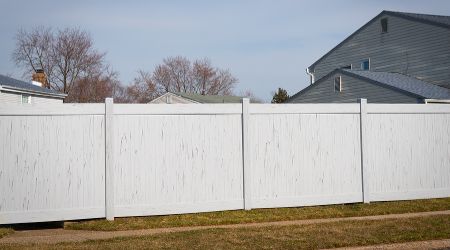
(5, 231)
(325, 235)
(262, 215)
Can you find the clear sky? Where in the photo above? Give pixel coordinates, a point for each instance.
(265, 44)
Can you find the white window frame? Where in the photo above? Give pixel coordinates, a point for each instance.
(28, 98)
(340, 83)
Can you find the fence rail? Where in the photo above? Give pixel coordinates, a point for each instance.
(79, 161)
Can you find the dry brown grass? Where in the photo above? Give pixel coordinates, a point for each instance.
(325, 235)
(5, 231)
(263, 215)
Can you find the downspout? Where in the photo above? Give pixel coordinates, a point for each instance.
(311, 75)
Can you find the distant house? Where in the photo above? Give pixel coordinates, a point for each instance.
(17, 91)
(185, 98)
(396, 57)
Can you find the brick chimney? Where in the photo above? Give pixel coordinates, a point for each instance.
(39, 76)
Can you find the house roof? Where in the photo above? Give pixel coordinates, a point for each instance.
(403, 82)
(441, 21)
(209, 98)
(14, 84)
(399, 82)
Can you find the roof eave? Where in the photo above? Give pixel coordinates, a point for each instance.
(401, 15)
(186, 97)
(28, 91)
(311, 85)
(406, 92)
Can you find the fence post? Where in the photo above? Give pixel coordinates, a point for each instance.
(245, 155)
(363, 131)
(109, 160)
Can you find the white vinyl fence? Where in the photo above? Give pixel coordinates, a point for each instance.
(79, 161)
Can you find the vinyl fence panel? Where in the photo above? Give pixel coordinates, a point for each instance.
(177, 163)
(79, 161)
(52, 165)
(408, 151)
(304, 158)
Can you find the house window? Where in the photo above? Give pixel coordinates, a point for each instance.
(347, 67)
(384, 25)
(365, 65)
(26, 99)
(338, 84)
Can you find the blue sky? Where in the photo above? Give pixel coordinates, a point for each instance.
(265, 44)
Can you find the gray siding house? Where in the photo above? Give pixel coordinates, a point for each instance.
(16, 92)
(411, 47)
(344, 85)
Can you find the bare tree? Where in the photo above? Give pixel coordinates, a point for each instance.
(223, 83)
(178, 74)
(74, 57)
(203, 74)
(249, 94)
(34, 50)
(143, 89)
(66, 56)
(96, 86)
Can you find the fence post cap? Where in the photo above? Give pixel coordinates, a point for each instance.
(362, 100)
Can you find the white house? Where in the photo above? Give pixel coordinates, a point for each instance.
(17, 91)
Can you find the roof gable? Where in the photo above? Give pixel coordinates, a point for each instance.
(197, 98)
(209, 98)
(396, 81)
(441, 21)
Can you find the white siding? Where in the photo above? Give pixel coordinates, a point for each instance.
(45, 100)
(170, 98)
(6, 97)
(16, 98)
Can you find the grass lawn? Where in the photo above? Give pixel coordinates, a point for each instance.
(263, 215)
(325, 235)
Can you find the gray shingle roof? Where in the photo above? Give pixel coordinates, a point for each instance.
(432, 19)
(9, 82)
(210, 98)
(404, 83)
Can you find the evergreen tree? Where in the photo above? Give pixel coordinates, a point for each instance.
(280, 96)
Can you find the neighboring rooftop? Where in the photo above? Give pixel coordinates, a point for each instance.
(210, 98)
(11, 83)
(432, 19)
(402, 82)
